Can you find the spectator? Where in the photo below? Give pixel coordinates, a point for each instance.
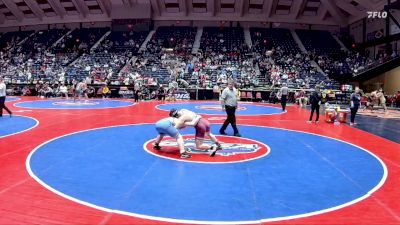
(382, 100)
(355, 100)
(106, 92)
(398, 99)
(315, 100)
(63, 91)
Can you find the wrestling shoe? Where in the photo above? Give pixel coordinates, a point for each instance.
(156, 147)
(214, 150)
(185, 155)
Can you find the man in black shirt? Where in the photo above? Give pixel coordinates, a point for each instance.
(161, 93)
(315, 100)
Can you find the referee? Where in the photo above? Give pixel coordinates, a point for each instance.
(229, 104)
(3, 97)
(284, 93)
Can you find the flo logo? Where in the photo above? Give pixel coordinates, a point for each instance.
(234, 149)
(182, 94)
(380, 15)
(216, 107)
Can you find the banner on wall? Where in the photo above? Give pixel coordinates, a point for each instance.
(394, 29)
(182, 94)
(375, 35)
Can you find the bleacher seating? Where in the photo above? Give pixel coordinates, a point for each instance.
(80, 40)
(42, 40)
(267, 39)
(98, 66)
(178, 38)
(167, 58)
(11, 39)
(222, 39)
(320, 42)
(119, 41)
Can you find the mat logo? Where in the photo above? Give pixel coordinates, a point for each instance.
(215, 107)
(228, 149)
(182, 94)
(75, 103)
(234, 150)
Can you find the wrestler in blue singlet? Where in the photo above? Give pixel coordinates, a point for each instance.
(166, 126)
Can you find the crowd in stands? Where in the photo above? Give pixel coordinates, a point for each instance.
(335, 61)
(280, 57)
(164, 56)
(99, 56)
(223, 55)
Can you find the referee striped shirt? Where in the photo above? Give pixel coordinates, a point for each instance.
(229, 97)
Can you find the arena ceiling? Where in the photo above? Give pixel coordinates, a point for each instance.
(335, 12)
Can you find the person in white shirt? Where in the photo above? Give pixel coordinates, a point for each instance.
(63, 91)
(3, 98)
(229, 104)
(284, 92)
(80, 90)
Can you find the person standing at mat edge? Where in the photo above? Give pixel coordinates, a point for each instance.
(355, 99)
(229, 104)
(284, 93)
(3, 89)
(315, 100)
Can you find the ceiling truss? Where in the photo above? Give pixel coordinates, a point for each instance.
(340, 12)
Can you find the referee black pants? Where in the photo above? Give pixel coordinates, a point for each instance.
(353, 113)
(3, 106)
(314, 107)
(231, 119)
(283, 102)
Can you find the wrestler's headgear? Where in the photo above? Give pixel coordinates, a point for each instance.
(173, 113)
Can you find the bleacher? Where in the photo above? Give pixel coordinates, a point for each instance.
(80, 39)
(178, 38)
(267, 38)
(320, 42)
(42, 40)
(11, 39)
(150, 66)
(224, 55)
(222, 39)
(174, 40)
(119, 41)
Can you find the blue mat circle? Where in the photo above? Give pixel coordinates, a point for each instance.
(16, 124)
(214, 108)
(12, 99)
(71, 104)
(304, 175)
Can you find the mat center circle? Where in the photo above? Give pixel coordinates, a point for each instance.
(234, 149)
(75, 103)
(217, 107)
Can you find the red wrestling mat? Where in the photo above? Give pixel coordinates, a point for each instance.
(24, 201)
